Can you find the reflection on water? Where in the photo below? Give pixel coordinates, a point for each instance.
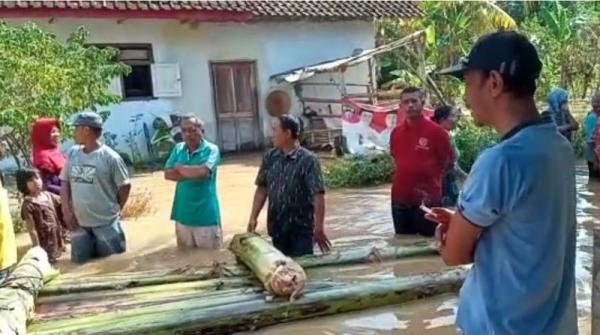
(362, 217)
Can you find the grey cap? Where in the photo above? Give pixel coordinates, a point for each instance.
(88, 119)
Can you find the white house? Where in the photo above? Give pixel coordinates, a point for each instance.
(216, 59)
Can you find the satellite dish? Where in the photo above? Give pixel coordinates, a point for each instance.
(278, 103)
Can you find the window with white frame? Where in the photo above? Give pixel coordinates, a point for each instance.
(146, 79)
(138, 83)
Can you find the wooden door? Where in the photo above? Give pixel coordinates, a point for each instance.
(235, 97)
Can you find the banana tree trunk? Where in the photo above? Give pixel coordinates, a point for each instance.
(280, 275)
(226, 317)
(19, 288)
(73, 284)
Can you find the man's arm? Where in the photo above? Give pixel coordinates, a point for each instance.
(120, 175)
(318, 201)
(460, 241)
(192, 171)
(172, 175)
(123, 195)
(200, 171)
(67, 205)
(314, 182)
(260, 197)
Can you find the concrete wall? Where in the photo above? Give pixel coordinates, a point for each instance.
(276, 47)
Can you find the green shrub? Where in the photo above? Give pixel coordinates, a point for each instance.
(357, 171)
(17, 220)
(471, 140)
(578, 142)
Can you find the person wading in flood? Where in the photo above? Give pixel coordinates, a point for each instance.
(290, 177)
(516, 214)
(94, 189)
(422, 153)
(193, 166)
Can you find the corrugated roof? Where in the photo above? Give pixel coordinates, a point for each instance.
(305, 72)
(259, 10)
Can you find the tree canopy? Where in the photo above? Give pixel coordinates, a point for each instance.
(43, 76)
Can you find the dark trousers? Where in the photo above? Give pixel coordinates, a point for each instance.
(594, 173)
(293, 244)
(411, 220)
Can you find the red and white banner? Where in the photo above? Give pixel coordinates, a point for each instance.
(368, 127)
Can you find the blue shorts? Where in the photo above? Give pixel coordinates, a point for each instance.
(96, 242)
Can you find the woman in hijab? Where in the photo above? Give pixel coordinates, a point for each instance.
(558, 108)
(45, 138)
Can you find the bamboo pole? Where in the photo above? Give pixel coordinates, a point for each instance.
(73, 284)
(18, 290)
(186, 317)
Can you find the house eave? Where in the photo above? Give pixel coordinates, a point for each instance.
(205, 15)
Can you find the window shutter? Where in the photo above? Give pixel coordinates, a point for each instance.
(166, 80)
(115, 87)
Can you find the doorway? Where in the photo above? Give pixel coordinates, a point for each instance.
(236, 107)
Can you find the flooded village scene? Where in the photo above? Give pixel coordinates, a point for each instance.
(299, 167)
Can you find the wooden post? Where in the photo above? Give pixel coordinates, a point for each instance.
(371, 89)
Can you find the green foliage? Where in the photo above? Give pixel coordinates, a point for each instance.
(471, 140)
(567, 35)
(578, 143)
(17, 221)
(41, 76)
(451, 28)
(567, 38)
(357, 171)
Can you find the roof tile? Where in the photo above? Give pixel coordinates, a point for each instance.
(260, 9)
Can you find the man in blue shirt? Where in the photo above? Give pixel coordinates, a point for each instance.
(516, 214)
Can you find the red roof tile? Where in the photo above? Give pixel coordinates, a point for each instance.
(258, 9)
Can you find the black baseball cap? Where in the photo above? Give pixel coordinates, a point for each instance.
(507, 52)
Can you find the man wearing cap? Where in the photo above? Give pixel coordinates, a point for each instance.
(516, 214)
(422, 153)
(290, 177)
(95, 189)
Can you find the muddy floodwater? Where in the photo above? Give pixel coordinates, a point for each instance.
(358, 217)
(361, 217)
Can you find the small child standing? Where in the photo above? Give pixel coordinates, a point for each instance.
(40, 211)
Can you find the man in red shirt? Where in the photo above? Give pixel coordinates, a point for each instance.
(421, 151)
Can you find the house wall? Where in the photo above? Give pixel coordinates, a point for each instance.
(276, 47)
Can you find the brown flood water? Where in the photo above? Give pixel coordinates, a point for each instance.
(354, 218)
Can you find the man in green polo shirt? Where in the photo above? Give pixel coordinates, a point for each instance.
(193, 165)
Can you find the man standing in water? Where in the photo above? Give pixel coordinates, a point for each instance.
(516, 213)
(290, 177)
(422, 152)
(193, 165)
(95, 188)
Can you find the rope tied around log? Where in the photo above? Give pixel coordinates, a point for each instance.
(285, 281)
(29, 287)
